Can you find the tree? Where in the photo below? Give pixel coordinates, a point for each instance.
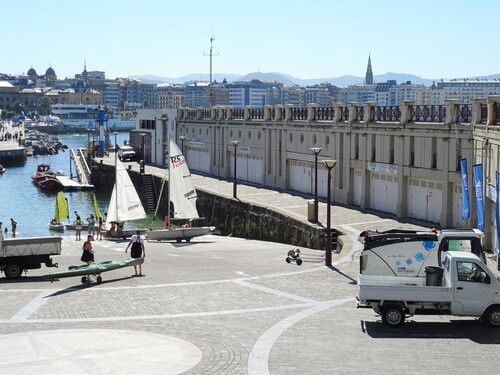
(44, 104)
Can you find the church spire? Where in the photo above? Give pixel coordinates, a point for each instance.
(369, 72)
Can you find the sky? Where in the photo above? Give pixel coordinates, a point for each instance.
(306, 39)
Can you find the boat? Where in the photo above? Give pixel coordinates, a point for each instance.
(51, 183)
(79, 118)
(2, 169)
(125, 203)
(94, 269)
(182, 195)
(85, 227)
(42, 171)
(61, 212)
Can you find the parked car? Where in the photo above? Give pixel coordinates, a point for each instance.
(126, 153)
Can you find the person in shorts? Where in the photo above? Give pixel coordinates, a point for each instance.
(137, 250)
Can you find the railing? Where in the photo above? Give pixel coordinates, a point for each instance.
(481, 111)
(387, 114)
(427, 113)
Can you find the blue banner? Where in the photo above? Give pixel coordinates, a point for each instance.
(465, 190)
(497, 210)
(478, 186)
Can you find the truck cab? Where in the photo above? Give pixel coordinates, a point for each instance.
(407, 253)
(467, 288)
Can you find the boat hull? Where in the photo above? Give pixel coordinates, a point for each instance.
(94, 269)
(178, 234)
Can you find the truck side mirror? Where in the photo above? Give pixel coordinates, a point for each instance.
(487, 279)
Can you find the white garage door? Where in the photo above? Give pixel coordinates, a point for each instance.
(458, 222)
(384, 192)
(198, 160)
(425, 199)
(301, 177)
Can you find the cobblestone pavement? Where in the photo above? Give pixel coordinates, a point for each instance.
(223, 305)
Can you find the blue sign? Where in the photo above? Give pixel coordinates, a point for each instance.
(465, 190)
(478, 186)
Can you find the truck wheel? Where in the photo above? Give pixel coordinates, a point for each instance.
(393, 316)
(13, 270)
(491, 316)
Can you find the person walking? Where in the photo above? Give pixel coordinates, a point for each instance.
(138, 250)
(88, 253)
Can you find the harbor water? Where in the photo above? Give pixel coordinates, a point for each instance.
(33, 208)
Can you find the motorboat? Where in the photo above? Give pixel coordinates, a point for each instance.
(42, 172)
(50, 183)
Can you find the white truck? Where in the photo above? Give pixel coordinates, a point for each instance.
(409, 253)
(465, 287)
(20, 254)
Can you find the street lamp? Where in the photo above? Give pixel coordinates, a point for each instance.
(329, 164)
(235, 144)
(315, 151)
(182, 138)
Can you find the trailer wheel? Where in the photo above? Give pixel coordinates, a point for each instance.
(491, 316)
(84, 279)
(99, 279)
(288, 259)
(299, 261)
(13, 270)
(178, 240)
(393, 316)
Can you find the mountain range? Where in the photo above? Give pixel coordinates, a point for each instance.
(341, 81)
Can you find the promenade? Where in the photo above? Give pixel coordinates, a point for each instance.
(225, 305)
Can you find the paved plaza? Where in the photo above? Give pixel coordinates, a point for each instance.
(225, 305)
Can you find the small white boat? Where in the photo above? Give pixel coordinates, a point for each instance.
(61, 212)
(178, 234)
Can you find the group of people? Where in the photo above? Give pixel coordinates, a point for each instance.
(91, 221)
(13, 227)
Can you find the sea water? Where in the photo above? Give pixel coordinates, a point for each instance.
(33, 208)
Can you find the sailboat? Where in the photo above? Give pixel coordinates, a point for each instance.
(182, 194)
(125, 203)
(61, 212)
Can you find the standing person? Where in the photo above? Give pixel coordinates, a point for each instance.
(78, 227)
(13, 223)
(137, 250)
(88, 253)
(99, 228)
(91, 221)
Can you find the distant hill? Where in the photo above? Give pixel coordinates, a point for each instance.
(341, 81)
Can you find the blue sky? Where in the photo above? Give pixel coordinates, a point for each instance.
(306, 39)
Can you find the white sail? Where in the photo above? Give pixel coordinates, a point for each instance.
(181, 187)
(125, 203)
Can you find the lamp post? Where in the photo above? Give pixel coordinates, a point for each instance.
(315, 151)
(329, 164)
(182, 138)
(235, 144)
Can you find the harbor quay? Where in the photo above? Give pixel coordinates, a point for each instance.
(228, 305)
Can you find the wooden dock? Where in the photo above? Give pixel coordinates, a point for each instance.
(71, 185)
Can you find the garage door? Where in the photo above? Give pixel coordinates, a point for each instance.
(301, 176)
(384, 192)
(358, 188)
(425, 199)
(198, 159)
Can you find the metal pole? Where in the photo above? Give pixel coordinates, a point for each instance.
(329, 164)
(328, 254)
(316, 151)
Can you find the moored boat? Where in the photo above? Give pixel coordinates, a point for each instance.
(2, 169)
(61, 212)
(50, 183)
(42, 171)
